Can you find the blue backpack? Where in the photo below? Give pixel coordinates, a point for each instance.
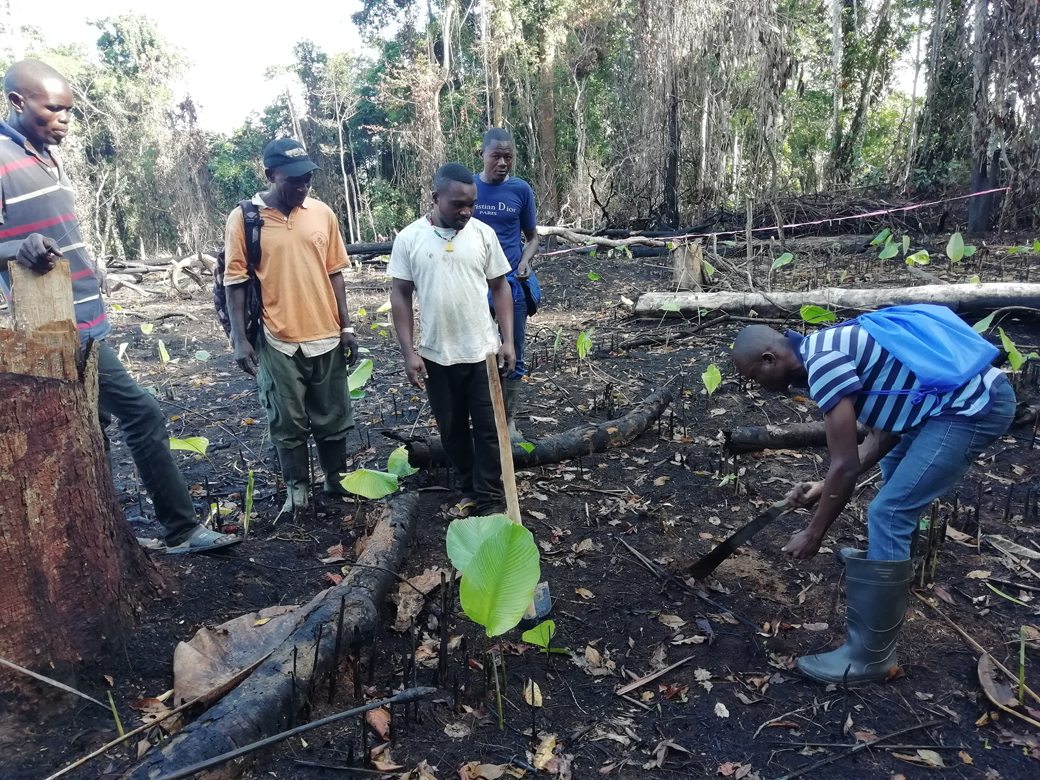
(938, 346)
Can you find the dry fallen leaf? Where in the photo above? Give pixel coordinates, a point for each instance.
(585, 593)
(593, 656)
(978, 574)
(474, 770)
(672, 621)
(965, 758)
(457, 730)
(544, 753)
(815, 626)
(532, 694)
(336, 554)
(379, 720)
(660, 481)
(721, 711)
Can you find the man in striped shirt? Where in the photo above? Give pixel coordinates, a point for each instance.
(925, 441)
(38, 224)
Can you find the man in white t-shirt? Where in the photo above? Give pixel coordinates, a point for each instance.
(451, 261)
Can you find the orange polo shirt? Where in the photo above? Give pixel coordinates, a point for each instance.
(298, 253)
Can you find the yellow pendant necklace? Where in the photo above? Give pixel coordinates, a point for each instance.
(448, 246)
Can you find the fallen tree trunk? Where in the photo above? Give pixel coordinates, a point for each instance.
(793, 436)
(583, 440)
(959, 297)
(264, 704)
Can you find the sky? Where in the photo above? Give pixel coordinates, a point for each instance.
(230, 43)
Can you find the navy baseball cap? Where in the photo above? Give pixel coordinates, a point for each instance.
(289, 156)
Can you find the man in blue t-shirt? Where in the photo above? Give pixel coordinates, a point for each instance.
(506, 204)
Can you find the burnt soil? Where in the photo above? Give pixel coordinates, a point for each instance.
(737, 701)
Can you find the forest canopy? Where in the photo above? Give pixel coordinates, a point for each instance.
(630, 113)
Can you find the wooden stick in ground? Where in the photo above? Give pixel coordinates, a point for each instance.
(49, 681)
(967, 638)
(120, 740)
(650, 677)
(505, 447)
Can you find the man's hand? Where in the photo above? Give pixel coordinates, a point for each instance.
(246, 357)
(38, 253)
(803, 545)
(415, 369)
(348, 344)
(506, 359)
(805, 494)
(523, 270)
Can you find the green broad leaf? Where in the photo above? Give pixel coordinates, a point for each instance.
(1013, 249)
(116, 307)
(592, 253)
(364, 350)
(1036, 244)
(360, 375)
(357, 395)
(881, 237)
(375, 326)
(709, 269)
(151, 391)
(147, 328)
(584, 344)
(526, 446)
(891, 249)
(1015, 357)
(384, 308)
(467, 534)
(164, 356)
(627, 251)
(398, 463)
(202, 355)
(593, 277)
(361, 312)
(671, 246)
(783, 260)
(712, 378)
(670, 306)
(906, 244)
(955, 248)
(196, 444)
(499, 582)
(817, 314)
(728, 243)
(370, 484)
(556, 341)
(541, 635)
(984, 324)
(970, 250)
(918, 258)
(974, 280)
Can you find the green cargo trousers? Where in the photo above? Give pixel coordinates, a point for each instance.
(304, 396)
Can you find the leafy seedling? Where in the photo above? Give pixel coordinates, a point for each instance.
(556, 341)
(164, 356)
(542, 636)
(467, 534)
(984, 324)
(384, 308)
(1015, 358)
(711, 378)
(196, 444)
(584, 344)
(398, 463)
(147, 328)
(670, 306)
(358, 377)
(906, 245)
(709, 269)
(361, 311)
(817, 314)
(918, 258)
(891, 249)
(593, 276)
(202, 355)
(247, 516)
(881, 237)
(785, 259)
(370, 484)
(956, 249)
(526, 446)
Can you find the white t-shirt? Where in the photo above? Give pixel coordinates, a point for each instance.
(455, 324)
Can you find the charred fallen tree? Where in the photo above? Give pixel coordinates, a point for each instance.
(583, 440)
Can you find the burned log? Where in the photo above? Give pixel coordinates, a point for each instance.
(959, 297)
(74, 576)
(264, 704)
(792, 436)
(583, 440)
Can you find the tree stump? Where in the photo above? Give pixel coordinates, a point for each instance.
(73, 574)
(688, 267)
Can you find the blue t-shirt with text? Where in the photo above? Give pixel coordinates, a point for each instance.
(508, 208)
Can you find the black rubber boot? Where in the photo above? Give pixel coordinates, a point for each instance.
(296, 473)
(511, 396)
(877, 595)
(332, 455)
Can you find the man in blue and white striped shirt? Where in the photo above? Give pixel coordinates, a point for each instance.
(925, 441)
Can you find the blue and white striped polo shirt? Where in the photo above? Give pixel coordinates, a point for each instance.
(37, 198)
(846, 360)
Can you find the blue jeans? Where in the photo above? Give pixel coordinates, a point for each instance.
(519, 333)
(927, 462)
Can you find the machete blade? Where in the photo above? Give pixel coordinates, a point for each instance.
(704, 566)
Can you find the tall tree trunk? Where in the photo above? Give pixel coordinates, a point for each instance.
(837, 44)
(74, 576)
(984, 155)
(549, 196)
(857, 128)
(911, 144)
(670, 214)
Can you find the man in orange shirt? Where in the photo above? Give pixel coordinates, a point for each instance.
(306, 342)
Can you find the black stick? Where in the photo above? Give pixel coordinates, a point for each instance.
(442, 660)
(334, 673)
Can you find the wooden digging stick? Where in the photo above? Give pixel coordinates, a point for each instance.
(505, 446)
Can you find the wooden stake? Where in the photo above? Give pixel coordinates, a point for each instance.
(505, 446)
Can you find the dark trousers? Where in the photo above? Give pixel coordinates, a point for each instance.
(457, 395)
(144, 432)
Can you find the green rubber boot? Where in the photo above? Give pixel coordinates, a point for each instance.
(296, 473)
(877, 595)
(332, 455)
(511, 396)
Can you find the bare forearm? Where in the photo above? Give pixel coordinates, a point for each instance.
(502, 295)
(838, 487)
(236, 295)
(530, 250)
(339, 290)
(874, 447)
(404, 320)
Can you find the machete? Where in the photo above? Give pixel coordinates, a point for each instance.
(705, 565)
